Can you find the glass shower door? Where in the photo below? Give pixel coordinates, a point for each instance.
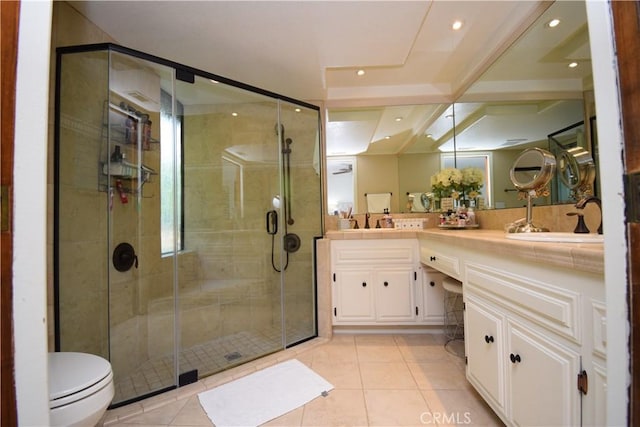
(230, 303)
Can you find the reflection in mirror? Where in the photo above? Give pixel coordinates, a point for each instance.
(527, 94)
(576, 167)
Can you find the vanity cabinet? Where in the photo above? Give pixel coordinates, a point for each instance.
(533, 334)
(375, 281)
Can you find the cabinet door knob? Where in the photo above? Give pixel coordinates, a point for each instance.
(364, 284)
(386, 283)
(488, 339)
(432, 283)
(432, 258)
(515, 358)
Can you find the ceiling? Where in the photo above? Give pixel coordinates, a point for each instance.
(415, 64)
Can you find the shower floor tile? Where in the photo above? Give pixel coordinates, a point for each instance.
(207, 358)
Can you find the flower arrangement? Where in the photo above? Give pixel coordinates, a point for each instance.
(458, 184)
(446, 182)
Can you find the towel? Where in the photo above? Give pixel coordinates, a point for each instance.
(377, 203)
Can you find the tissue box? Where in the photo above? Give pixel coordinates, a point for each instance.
(409, 223)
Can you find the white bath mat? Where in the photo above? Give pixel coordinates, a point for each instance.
(263, 395)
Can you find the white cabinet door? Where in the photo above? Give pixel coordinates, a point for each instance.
(353, 296)
(432, 297)
(394, 295)
(541, 377)
(484, 341)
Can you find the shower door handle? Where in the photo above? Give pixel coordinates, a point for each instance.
(272, 222)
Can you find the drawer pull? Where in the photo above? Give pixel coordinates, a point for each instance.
(515, 358)
(488, 339)
(364, 284)
(386, 283)
(432, 258)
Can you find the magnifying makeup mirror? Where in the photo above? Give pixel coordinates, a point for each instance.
(530, 174)
(577, 171)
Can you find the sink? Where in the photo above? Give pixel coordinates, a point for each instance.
(557, 237)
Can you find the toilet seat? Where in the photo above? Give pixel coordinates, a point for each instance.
(75, 376)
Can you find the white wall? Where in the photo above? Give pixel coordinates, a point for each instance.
(611, 170)
(30, 213)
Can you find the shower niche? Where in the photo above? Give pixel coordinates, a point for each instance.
(180, 167)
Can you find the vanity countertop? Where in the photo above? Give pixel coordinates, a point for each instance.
(588, 257)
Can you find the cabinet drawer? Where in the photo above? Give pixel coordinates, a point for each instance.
(545, 304)
(447, 264)
(373, 252)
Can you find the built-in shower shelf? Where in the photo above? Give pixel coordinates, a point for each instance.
(126, 170)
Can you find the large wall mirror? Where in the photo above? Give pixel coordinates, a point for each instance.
(531, 96)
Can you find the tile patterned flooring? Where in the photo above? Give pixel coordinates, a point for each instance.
(379, 380)
(210, 357)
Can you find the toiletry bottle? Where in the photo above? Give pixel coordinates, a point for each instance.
(471, 216)
(116, 156)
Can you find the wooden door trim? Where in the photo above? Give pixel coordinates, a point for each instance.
(626, 20)
(9, 15)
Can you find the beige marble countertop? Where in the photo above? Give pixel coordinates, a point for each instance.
(588, 257)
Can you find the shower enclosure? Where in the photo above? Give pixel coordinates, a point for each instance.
(186, 211)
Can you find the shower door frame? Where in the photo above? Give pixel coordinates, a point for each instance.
(181, 72)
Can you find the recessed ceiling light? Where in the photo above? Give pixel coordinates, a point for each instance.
(387, 137)
(429, 135)
(398, 119)
(553, 23)
(297, 110)
(573, 64)
(360, 72)
(457, 24)
(234, 114)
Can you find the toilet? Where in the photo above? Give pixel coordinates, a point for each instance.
(80, 388)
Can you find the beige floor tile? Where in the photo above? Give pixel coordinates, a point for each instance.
(455, 407)
(339, 408)
(389, 376)
(163, 415)
(438, 375)
(192, 414)
(426, 352)
(340, 375)
(290, 419)
(395, 407)
(375, 339)
(379, 353)
(336, 353)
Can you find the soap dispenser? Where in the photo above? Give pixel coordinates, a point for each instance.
(388, 219)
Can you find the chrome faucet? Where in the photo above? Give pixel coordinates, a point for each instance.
(584, 202)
